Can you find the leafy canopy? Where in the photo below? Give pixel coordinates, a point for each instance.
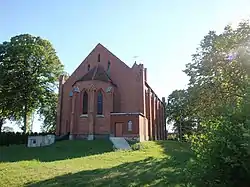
(220, 87)
(29, 70)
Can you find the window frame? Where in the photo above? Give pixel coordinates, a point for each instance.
(85, 98)
(99, 103)
(130, 126)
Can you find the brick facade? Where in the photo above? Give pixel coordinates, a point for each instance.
(129, 107)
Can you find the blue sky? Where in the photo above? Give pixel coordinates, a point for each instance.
(163, 34)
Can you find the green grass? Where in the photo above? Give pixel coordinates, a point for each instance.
(93, 163)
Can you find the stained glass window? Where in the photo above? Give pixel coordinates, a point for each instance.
(85, 103)
(99, 103)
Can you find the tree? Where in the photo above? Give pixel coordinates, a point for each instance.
(218, 73)
(48, 113)
(29, 71)
(220, 87)
(2, 120)
(179, 113)
(7, 106)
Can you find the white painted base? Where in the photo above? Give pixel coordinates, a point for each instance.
(38, 141)
(90, 137)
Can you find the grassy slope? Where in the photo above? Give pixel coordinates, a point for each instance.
(93, 163)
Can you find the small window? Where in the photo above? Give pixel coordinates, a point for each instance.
(99, 58)
(108, 68)
(85, 103)
(88, 67)
(99, 103)
(130, 125)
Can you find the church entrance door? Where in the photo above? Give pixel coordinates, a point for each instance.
(118, 129)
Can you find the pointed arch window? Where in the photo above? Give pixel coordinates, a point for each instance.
(99, 103)
(88, 67)
(85, 103)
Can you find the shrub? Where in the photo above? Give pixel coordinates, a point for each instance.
(222, 154)
(136, 146)
(140, 146)
(172, 136)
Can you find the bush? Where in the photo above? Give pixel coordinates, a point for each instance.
(222, 154)
(136, 146)
(10, 138)
(140, 146)
(172, 136)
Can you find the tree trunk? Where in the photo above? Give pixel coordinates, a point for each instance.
(32, 121)
(1, 124)
(25, 118)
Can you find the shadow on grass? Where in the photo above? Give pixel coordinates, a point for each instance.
(166, 171)
(179, 150)
(151, 172)
(59, 151)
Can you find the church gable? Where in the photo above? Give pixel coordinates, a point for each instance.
(100, 63)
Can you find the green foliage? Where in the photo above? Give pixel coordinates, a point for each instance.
(172, 136)
(218, 74)
(178, 112)
(222, 154)
(29, 70)
(140, 146)
(48, 111)
(220, 90)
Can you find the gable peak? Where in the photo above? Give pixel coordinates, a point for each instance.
(100, 45)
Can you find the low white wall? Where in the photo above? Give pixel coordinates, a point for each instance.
(38, 141)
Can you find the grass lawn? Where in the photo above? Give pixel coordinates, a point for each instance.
(93, 163)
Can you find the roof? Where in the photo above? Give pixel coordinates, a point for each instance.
(96, 73)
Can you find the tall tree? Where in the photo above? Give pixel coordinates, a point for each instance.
(48, 111)
(218, 73)
(8, 109)
(220, 85)
(29, 71)
(179, 113)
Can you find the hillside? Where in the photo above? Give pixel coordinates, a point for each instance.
(93, 163)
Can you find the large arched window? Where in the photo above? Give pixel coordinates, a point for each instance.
(85, 103)
(99, 103)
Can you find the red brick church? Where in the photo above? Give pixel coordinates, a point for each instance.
(104, 97)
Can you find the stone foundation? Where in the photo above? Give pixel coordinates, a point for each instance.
(78, 137)
(100, 136)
